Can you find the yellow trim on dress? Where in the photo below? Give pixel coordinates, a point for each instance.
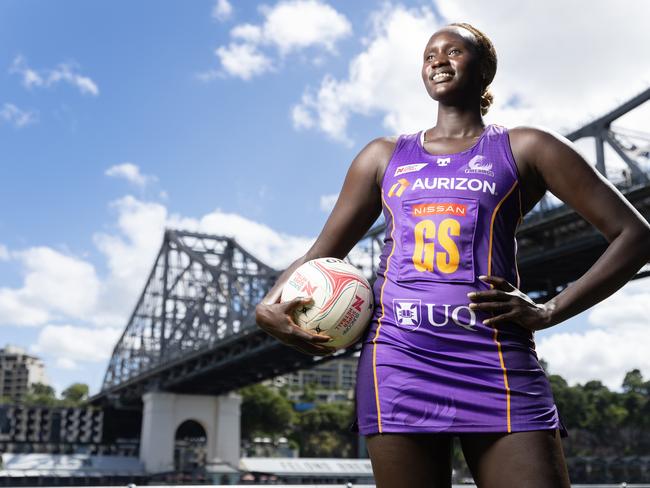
(383, 313)
(496, 331)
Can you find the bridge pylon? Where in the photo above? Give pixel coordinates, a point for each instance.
(163, 415)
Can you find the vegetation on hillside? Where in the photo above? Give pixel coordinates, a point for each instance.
(75, 395)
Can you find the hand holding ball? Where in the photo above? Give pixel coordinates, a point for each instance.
(342, 300)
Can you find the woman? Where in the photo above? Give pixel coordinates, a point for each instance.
(450, 350)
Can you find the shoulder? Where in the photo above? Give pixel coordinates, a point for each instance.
(536, 151)
(377, 154)
(529, 139)
(534, 147)
(382, 145)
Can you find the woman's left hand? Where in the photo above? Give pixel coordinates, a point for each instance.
(507, 303)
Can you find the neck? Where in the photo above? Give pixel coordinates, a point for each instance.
(455, 121)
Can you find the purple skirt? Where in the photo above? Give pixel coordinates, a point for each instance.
(421, 380)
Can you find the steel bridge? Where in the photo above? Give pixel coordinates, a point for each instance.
(193, 328)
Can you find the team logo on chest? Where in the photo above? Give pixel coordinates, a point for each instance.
(443, 161)
(478, 165)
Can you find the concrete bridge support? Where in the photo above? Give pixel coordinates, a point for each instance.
(163, 413)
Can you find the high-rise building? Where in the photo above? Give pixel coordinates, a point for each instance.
(337, 374)
(18, 371)
(332, 380)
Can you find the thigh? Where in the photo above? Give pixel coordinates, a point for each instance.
(413, 460)
(519, 460)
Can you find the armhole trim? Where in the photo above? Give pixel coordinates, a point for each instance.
(398, 144)
(510, 157)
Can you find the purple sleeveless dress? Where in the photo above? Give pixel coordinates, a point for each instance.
(428, 363)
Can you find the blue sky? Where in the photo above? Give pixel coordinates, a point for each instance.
(120, 118)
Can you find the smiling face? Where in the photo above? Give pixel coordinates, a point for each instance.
(451, 65)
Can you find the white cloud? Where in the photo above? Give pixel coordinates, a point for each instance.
(70, 344)
(615, 343)
(383, 79)
(129, 252)
(81, 316)
(297, 24)
(66, 363)
(17, 117)
(242, 60)
(131, 249)
(4, 253)
(247, 32)
(55, 285)
(131, 173)
(327, 202)
(64, 72)
(64, 283)
(59, 287)
(626, 308)
(274, 248)
(16, 308)
(222, 10)
(551, 80)
(30, 77)
(288, 26)
(552, 87)
(301, 117)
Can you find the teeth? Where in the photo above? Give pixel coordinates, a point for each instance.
(441, 76)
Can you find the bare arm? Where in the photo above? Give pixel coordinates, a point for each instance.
(549, 162)
(358, 206)
(566, 174)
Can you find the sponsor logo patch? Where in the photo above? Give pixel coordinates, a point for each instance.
(423, 209)
(457, 183)
(409, 168)
(398, 188)
(443, 161)
(407, 313)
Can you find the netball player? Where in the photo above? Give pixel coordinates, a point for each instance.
(450, 349)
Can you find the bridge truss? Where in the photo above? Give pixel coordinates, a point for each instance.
(193, 328)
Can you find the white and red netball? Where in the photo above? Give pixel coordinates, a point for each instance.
(342, 296)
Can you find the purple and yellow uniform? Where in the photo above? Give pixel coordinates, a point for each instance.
(428, 362)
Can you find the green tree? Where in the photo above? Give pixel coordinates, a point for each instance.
(75, 395)
(633, 382)
(570, 401)
(323, 431)
(41, 394)
(308, 393)
(636, 402)
(604, 423)
(604, 418)
(264, 412)
(42, 389)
